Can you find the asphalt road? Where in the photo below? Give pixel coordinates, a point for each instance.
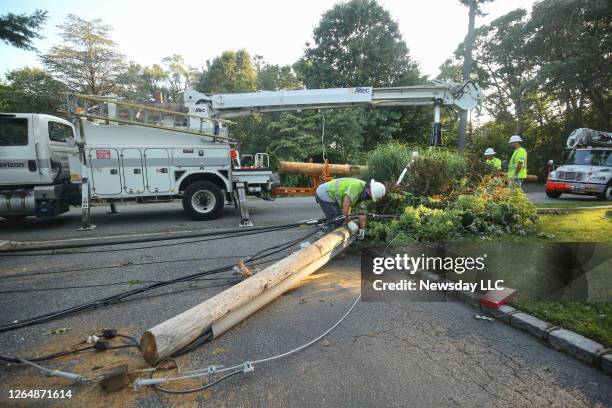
(383, 354)
(536, 193)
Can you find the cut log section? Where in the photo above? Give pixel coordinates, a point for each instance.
(223, 311)
(315, 169)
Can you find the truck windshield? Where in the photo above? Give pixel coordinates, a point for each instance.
(590, 157)
(13, 131)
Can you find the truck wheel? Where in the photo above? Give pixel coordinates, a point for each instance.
(203, 200)
(606, 195)
(553, 194)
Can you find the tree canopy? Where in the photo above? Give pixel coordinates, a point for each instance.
(31, 90)
(232, 71)
(88, 60)
(357, 43)
(19, 30)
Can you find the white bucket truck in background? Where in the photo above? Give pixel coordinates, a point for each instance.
(588, 168)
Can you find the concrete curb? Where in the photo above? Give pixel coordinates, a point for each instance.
(558, 338)
(567, 210)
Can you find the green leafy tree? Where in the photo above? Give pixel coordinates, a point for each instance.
(450, 70)
(231, 72)
(179, 77)
(87, 60)
(275, 77)
(31, 90)
(19, 30)
(573, 42)
(300, 136)
(357, 43)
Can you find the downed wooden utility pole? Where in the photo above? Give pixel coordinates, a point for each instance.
(228, 308)
(318, 168)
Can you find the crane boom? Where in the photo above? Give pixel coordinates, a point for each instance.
(459, 97)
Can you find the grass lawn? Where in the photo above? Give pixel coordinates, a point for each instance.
(581, 225)
(593, 320)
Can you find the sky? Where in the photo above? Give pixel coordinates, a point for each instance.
(147, 31)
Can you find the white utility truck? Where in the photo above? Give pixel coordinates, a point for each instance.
(114, 151)
(588, 168)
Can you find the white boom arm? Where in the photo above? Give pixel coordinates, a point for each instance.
(460, 97)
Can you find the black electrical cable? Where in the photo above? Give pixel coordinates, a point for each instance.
(126, 265)
(46, 289)
(233, 235)
(10, 359)
(120, 296)
(117, 266)
(100, 285)
(152, 239)
(203, 338)
(99, 345)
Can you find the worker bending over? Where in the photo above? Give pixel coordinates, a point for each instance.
(339, 197)
(517, 167)
(491, 160)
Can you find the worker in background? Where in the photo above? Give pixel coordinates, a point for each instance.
(491, 160)
(517, 167)
(339, 197)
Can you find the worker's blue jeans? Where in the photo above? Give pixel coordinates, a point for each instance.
(331, 211)
(515, 183)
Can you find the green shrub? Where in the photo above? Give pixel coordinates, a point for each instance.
(387, 161)
(491, 210)
(494, 209)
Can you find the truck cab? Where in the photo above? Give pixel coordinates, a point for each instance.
(38, 164)
(587, 171)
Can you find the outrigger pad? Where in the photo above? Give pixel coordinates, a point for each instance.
(494, 299)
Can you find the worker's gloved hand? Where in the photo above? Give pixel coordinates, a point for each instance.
(352, 226)
(360, 234)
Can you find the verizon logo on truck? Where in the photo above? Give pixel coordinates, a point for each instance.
(11, 165)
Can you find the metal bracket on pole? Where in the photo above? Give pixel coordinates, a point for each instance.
(113, 208)
(85, 201)
(436, 131)
(245, 220)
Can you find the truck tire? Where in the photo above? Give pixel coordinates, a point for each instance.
(203, 200)
(553, 194)
(606, 195)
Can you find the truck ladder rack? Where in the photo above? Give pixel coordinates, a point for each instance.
(113, 110)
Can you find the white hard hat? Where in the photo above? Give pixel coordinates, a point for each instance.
(489, 152)
(377, 190)
(515, 138)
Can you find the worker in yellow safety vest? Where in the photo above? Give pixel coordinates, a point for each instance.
(517, 167)
(339, 197)
(491, 160)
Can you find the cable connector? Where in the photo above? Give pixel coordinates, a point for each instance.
(145, 382)
(109, 333)
(100, 345)
(92, 339)
(247, 367)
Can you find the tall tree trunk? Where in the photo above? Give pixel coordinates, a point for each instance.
(467, 69)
